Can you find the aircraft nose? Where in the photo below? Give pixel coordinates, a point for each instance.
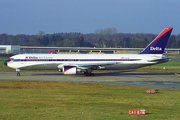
(5, 62)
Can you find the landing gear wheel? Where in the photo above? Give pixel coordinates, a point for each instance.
(18, 74)
(92, 74)
(89, 74)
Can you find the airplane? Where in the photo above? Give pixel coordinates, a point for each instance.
(86, 63)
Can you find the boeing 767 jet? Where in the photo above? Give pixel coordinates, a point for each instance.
(86, 63)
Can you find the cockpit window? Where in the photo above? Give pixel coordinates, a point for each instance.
(11, 59)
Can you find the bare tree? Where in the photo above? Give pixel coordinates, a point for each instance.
(106, 31)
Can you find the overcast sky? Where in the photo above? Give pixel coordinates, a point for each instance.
(85, 16)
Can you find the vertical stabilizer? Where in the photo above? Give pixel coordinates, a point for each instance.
(158, 45)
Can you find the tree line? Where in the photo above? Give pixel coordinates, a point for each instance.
(106, 39)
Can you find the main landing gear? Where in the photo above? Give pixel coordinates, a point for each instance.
(88, 72)
(18, 72)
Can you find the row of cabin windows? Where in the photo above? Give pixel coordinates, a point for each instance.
(76, 59)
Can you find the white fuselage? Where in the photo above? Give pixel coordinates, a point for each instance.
(55, 61)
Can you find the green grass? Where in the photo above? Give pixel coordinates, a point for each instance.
(170, 66)
(53, 100)
(2, 66)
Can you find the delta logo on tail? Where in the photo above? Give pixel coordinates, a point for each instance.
(158, 45)
(156, 48)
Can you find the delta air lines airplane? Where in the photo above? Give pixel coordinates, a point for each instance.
(85, 63)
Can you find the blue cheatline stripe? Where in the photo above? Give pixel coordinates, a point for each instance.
(17, 60)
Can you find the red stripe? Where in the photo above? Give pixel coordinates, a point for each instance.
(68, 69)
(162, 33)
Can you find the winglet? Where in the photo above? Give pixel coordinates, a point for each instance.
(158, 45)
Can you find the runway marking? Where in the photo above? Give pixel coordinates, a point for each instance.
(177, 74)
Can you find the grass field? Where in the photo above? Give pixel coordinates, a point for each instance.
(2, 66)
(53, 100)
(170, 66)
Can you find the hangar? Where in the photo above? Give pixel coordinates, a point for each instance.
(10, 49)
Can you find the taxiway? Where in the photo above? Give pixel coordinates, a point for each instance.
(160, 80)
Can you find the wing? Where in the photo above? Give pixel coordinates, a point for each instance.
(95, 65)
(89, 65)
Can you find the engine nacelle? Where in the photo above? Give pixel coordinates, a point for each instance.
(69, 70)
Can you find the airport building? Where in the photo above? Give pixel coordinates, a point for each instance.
(10, 49)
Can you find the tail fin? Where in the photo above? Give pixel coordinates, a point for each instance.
(158, 45)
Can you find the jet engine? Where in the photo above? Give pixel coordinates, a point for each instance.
(69, 70)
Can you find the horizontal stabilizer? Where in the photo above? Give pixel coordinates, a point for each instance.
(160, 60)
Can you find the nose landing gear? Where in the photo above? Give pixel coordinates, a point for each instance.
(18, 72)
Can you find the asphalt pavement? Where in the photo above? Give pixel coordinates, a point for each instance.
(155, 80)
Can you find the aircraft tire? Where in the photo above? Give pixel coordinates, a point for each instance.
(89, 74)
(18, 74)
